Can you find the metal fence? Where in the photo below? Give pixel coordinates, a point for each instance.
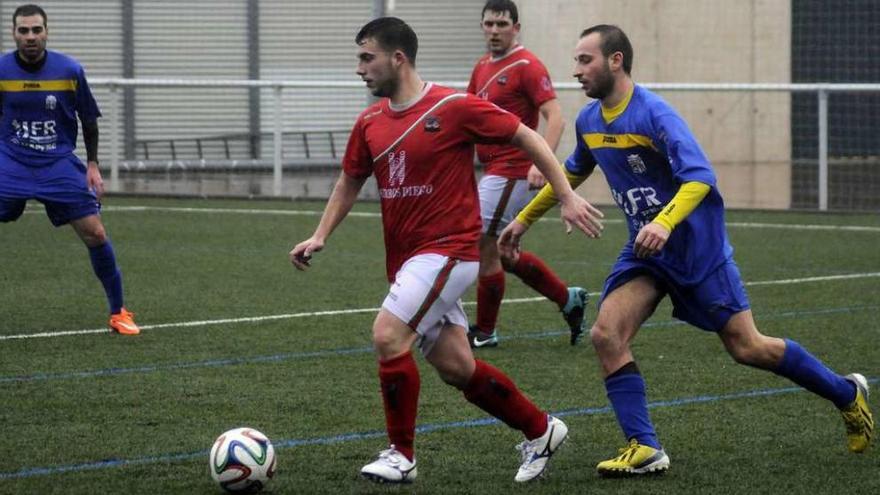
(323, 147)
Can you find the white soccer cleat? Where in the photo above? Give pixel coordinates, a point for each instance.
(536, 453)
(390, 467)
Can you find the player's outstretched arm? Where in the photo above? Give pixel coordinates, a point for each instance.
(551, 111)
(575, 209)
(341, 200)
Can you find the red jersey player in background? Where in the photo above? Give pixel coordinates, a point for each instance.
(418, 141)
(514, 79)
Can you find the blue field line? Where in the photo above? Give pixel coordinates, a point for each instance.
(358, 436)
(213, 363)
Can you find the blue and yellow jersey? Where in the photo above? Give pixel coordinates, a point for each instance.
(40, 108)
(646, 151)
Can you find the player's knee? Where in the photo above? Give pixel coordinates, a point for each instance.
(94, 236)
(603, 337)
(741, 354)
(760, 352)
(453, 376)
(385, 342)
(745, 351)
(508, 263)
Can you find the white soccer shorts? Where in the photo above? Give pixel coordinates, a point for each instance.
(426, 294)
(501, 199)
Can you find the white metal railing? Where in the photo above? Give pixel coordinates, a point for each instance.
(822, 90)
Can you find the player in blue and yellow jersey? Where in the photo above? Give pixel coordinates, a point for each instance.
(43, 93)
(678, 246)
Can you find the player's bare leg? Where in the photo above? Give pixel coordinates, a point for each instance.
(452, 357)
(494, 392)
(400, 383)
(622, 313)
(787, 358)
(90, 230)
(94, 236)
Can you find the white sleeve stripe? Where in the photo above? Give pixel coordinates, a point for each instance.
(422, 117)
(518, 62)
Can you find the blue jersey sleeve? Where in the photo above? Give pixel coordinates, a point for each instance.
(581, 161)
(86, 106)
(686, 158)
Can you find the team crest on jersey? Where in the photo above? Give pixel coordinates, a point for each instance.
(502, 80)
(51, 102)
(546, 85)
(636, 163)
(432, 123)
(396, 168)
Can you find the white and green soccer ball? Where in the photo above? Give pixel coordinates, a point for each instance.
(242, 460)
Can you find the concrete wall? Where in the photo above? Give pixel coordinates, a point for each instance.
(746, 135)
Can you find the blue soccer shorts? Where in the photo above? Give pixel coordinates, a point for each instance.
(708, 305)
(60, 186)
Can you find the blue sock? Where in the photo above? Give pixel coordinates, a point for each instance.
(104, 264)
(630, 402)
(804, 369)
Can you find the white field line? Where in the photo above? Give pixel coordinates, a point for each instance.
(795, 226)
(240, 211)
(258, 319)
(366, 214)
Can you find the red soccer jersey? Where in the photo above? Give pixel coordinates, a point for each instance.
(519, 83)
(422, 157)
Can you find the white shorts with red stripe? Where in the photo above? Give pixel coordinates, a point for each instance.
(426, 294)
(501, 199)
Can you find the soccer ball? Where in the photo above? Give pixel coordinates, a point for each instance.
(242, 460)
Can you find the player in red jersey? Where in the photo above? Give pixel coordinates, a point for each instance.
(514, 79)
(418, 141)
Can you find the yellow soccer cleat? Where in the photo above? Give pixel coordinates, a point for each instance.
(123, 323)
(857, 416)
(635, 459)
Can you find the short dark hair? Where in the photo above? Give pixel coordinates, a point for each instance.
(28, 10)
(501, 6)
(613, 40)
(391, 33)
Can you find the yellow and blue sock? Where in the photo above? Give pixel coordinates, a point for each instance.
(627, 393)
(104, 265)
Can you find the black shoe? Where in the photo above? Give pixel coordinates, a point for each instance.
(477, 338)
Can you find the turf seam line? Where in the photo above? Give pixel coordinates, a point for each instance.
(258, 319)
(291, 356)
